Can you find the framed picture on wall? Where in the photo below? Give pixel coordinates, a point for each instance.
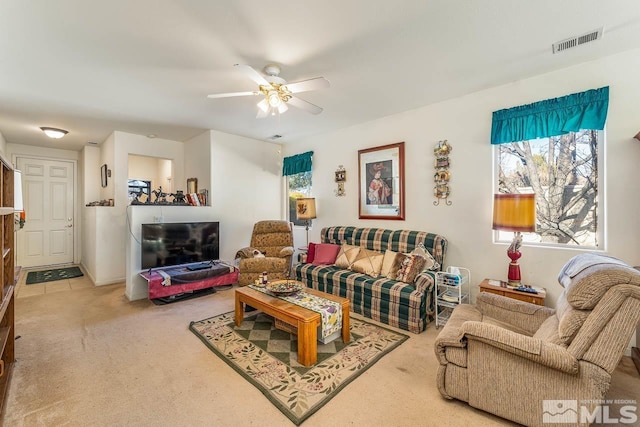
(192, 185)
(381, 182)
(103, 175)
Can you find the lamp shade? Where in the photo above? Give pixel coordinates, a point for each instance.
(514, 212)
(18, 205)
(306, 208)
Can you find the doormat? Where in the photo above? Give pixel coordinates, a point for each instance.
(267, 358)
(53, 275)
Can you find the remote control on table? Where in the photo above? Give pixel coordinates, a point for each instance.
(526, 289)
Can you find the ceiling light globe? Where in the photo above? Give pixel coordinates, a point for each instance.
(53, 132)
(274, 99)
(263, 105)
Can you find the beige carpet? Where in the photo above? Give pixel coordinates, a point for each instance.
(89, 357)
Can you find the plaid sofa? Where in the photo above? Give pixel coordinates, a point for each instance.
(402, 305)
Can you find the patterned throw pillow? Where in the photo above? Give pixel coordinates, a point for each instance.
(430, 261)
(347, 255)
(368, 262)
(395, 266)
(411, 266)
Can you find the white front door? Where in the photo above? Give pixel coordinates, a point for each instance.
(47, 237)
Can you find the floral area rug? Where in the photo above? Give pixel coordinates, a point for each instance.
(267, 358)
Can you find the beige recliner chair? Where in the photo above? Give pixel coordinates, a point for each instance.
(274, 240)
(507, 357)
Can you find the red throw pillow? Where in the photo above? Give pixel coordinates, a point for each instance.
(326, 253)
(311, 253)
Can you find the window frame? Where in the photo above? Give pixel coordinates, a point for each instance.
(292, 208)
(531, 239)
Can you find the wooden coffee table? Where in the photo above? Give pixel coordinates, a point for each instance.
(306, 320)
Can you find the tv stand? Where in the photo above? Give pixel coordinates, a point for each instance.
(185, 296)
(182, 280)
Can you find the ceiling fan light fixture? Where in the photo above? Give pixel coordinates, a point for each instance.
(54, 133)
(282, 108)
(263, 105)
(274, 99)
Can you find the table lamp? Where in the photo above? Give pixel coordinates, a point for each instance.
(517, 213)
(306, 209)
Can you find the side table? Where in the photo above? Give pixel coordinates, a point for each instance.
(500, 288)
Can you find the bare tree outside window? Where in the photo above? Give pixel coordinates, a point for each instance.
(563, 173)
(299, 186)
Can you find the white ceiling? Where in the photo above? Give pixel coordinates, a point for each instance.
(146, 66)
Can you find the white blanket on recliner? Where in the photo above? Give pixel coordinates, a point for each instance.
(578, 263)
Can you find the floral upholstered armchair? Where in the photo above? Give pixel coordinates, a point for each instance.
(270, 250)
(513, 359)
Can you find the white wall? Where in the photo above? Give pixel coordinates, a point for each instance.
(146, 169)
(3, 144)
(91, 173)
(246, 187)
(197, 154)
(165, 175)
(90, 242)
(466, 123)
(107, 157)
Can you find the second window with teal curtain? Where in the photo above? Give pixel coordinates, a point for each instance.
(297, 164)
(551, 117)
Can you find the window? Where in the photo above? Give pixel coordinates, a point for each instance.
(299, 186)
(565, 174)
(138, 187)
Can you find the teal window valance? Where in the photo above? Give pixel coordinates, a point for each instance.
(297, 164)
(556, 116)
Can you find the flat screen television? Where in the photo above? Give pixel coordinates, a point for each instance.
(174, 243)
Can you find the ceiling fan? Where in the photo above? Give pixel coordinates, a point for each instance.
(276, 92)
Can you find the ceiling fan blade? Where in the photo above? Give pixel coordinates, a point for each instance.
(230, 94)
(304, 105)
(307, 85)
(253, 74)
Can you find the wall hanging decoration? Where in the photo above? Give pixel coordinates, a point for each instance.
(381, 182)
(442, 175)
(103, 175)
(340, 178)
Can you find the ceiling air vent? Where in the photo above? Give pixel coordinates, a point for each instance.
(274, 137)
(576, 41)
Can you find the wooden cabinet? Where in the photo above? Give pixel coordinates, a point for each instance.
(7, 283)
(500, 288)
